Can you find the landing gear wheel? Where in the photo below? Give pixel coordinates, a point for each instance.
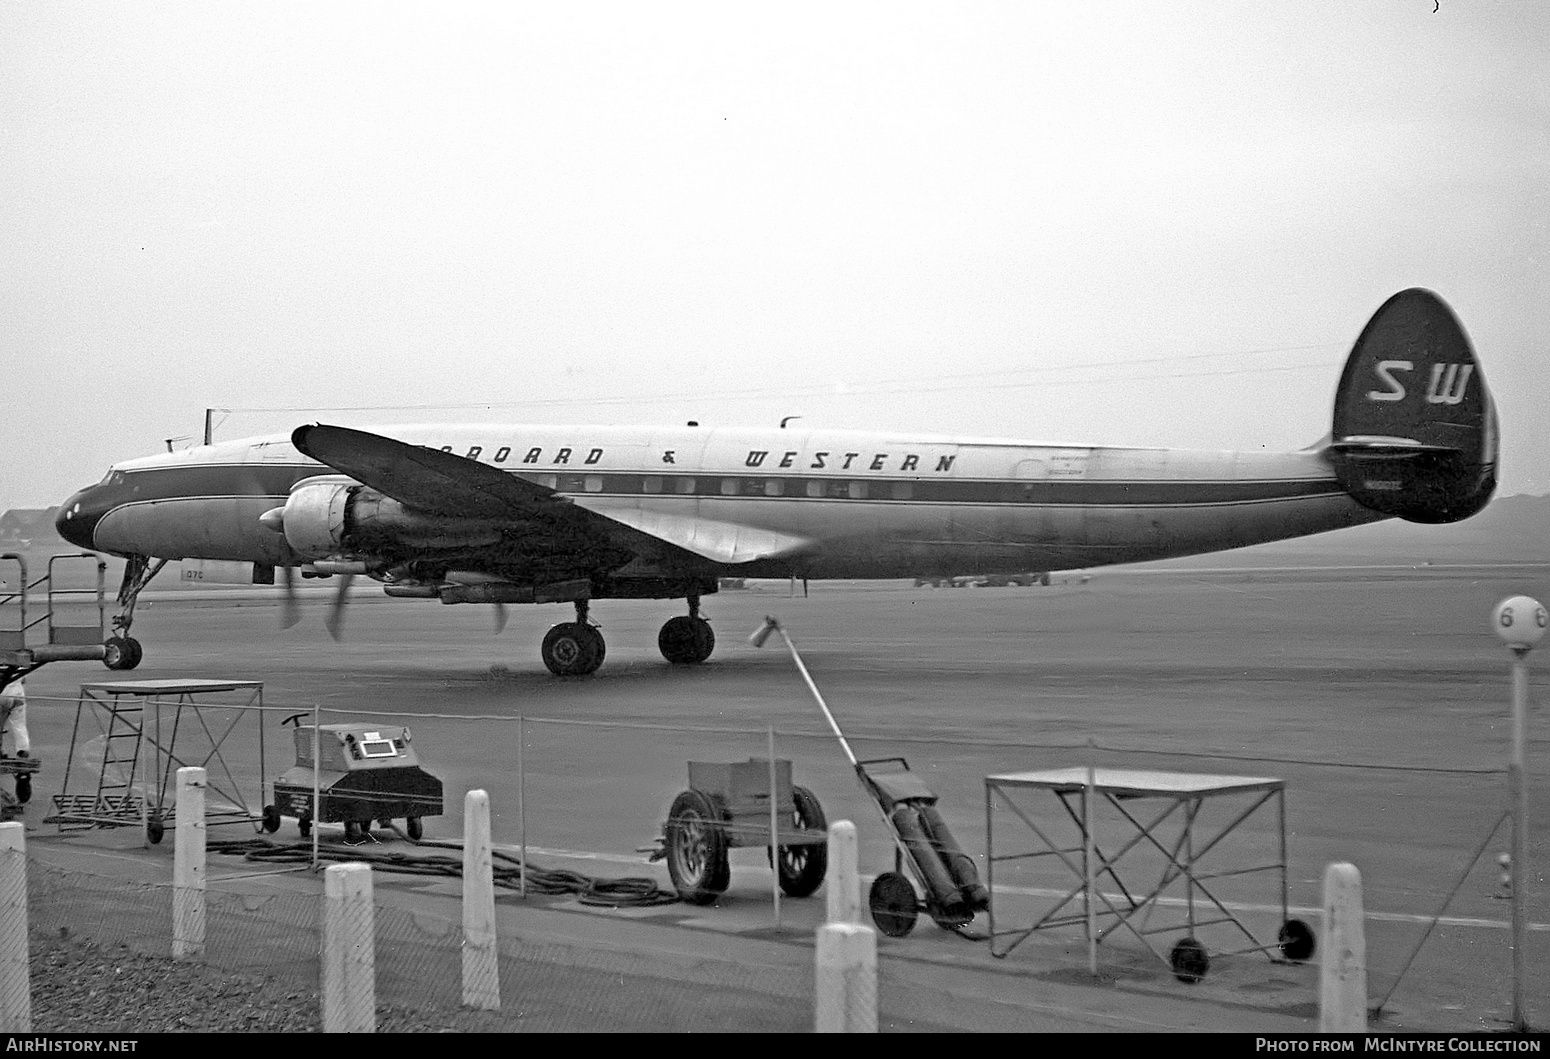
(271, 819)
(23, 789)
(801, 868)
(1296, 940)
(414, 828)
(686, 641)
(893, 904)
(697, 848)
(353, 831)
(304, 825)
(122, 652)
(1189, 961)
(154, 828)
(573, 649)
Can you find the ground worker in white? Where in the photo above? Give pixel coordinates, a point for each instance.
(13, 720)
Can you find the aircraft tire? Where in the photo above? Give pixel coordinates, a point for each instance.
(686, 641)
(573, 649)
(122, 652)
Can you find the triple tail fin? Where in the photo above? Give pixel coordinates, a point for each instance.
(1414, 432)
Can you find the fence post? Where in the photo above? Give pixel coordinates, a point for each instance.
(1343, 954)
(188, 867)
(481, 966)
(15, 985)
(847, 948)
(349, 993)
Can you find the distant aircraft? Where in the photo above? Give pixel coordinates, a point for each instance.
(505, 514)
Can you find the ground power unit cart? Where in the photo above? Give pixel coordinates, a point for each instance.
(364, 773)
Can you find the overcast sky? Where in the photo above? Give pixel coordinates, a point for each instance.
(1116, 222)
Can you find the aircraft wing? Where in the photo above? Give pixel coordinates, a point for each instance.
(424, 478)
(446, 484)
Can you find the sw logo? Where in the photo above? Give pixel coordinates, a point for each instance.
(1448, 384)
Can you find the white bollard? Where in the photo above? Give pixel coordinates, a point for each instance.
(481, 965)
(188, 867)
(15, 984)
(349, 986)
(1343, 953)
(846, 1000)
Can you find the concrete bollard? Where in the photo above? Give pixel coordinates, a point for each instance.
(188, 867)
(1343, 953)
(846, 1000)
(349, 973)
(15, 983)
(481, 966)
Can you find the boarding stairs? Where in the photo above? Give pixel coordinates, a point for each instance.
(62, 632)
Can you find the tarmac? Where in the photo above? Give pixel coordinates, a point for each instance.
(1263, 669)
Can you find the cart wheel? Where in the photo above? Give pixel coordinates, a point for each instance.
(1189, 960)
(1296, 940)
(802, 867)
(24, 788)
(304, 825)
(154, 828)
(271, 820)
(894, 904)
(413, 828)
(697, 848)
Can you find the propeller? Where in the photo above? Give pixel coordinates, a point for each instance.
(335, 619)
(290, 609)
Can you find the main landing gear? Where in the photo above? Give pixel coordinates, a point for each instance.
(576, 648)
(123, 651)
(687, 640)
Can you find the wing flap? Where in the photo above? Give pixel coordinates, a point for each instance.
(721, 542)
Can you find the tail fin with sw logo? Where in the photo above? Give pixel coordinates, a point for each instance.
(1414, 431)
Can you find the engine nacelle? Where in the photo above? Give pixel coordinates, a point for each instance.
(314, 517)
(330, 516)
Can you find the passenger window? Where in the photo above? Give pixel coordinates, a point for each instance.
(729, 487)
(593, 483)
(903, 490)
(857, 490)
(774, 487)
(817, 488)
(651, 484)
(549, 481)
(683, 485)
(570, 483)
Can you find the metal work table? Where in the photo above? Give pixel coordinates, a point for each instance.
(139, 723)
(1156, 819)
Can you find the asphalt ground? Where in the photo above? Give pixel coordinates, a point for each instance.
(1379, 696)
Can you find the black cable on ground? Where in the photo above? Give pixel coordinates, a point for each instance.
(634, 892)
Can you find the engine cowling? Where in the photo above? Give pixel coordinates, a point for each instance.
(332, 517)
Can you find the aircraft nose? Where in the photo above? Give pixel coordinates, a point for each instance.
(78, 517)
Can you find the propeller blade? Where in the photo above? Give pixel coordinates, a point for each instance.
(335, 619)
(290, 609)
(501, 614)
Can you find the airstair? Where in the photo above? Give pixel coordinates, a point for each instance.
(63, 631)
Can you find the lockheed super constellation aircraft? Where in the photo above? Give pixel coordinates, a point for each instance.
(544, 514)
